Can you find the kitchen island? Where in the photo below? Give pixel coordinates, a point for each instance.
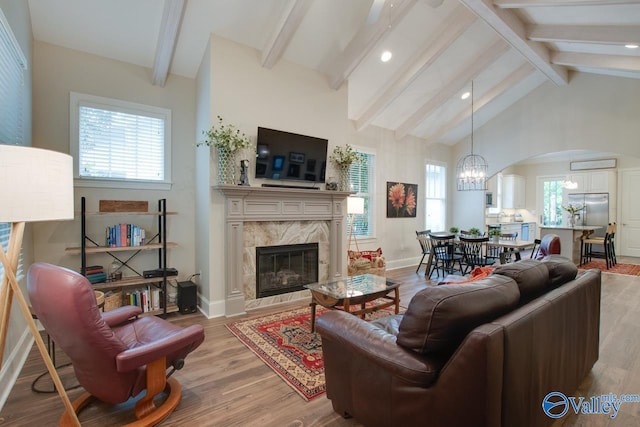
(570, 238)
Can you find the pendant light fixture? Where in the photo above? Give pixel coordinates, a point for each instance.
(471, 172)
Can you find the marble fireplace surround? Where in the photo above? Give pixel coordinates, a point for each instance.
(278, 211)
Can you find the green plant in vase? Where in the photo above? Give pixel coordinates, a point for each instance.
(454, 230)
(494, 233)
(228, 140)
(343, 158)
(474, 231)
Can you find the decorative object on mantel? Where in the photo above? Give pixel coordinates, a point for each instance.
(227, 139)
(401, 200)
(344, 158)
(471, 171)
(573, 211)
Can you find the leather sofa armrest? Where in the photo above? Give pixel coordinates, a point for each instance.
(133, 358)
(120, 315)
(375, 345)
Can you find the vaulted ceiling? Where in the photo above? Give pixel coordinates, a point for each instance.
(506, 47)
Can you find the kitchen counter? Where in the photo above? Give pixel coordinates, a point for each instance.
(570, 238)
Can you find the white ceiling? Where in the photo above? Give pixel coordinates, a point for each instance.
(508, 47)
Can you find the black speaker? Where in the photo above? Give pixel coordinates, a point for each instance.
(187, 297)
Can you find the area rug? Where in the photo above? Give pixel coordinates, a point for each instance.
(628, 269)
(284, 342)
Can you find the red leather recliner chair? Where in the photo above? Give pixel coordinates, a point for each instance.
(549, 245)
(115, 355)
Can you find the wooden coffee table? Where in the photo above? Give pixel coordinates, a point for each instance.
(347, 292)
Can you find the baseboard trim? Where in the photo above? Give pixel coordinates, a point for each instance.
(12, 366)
(401, 263)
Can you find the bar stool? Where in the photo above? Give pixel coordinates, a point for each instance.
(586, 248)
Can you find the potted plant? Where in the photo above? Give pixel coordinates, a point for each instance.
(343, 158)
(494, 233)
(453, 230)
(573, 210)
(474, 231)
(227, 139)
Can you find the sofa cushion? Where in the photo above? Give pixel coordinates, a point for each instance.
(439, 317)
(531, 276)
(561, 270)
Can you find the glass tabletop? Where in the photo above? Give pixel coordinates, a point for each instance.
(353, 286)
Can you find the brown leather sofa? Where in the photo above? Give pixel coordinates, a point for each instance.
(478, 354)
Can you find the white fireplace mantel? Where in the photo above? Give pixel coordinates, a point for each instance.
(249, 204)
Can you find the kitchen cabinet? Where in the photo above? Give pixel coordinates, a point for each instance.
(492, 194)
(593, 182)
(513, 192)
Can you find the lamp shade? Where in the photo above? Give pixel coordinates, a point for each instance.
(35, 184)
(355, 205)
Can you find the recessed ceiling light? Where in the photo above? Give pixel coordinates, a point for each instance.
(631, 46)
(465, 95)
(386, 56)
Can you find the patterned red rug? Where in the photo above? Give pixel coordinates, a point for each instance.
(285, 343)
(628, 269)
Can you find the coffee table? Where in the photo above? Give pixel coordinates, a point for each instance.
(346, 292)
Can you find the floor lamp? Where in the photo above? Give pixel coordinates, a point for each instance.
(355, 206)
(35, 185)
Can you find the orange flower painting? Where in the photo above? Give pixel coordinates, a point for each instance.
(401, 200)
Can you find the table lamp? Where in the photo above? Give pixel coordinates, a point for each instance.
(355, 206)
(35, 185)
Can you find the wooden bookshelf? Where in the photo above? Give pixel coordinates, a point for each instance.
(102, 249)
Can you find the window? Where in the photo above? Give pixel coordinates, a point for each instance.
(361, 181)
(435, 196)
(119, 144)
(13, 65)
(551, 200)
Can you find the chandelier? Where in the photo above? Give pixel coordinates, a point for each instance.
(471, 171)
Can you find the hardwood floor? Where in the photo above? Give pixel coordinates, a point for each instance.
(224, 384)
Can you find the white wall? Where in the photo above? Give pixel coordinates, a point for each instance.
(58, 71)
(292, 98)
(590, 113)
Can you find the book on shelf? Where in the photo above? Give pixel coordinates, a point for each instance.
(97, 277)
(121, 235)
(148, 298)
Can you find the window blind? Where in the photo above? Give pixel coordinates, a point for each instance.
(12, 67)
(119, 145)
(361, 181)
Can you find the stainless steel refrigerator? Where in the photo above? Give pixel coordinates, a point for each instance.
(595, 212)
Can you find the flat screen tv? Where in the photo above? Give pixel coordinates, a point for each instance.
(290, 157)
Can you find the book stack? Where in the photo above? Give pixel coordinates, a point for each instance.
(95, 274)
(121, 235)
(148, 298)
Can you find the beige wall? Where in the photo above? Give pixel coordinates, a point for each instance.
(58, 71)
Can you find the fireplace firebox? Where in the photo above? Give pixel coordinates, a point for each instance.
(285, 268)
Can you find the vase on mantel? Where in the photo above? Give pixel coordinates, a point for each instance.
(343, 182)
(572, 220)
(226, 166)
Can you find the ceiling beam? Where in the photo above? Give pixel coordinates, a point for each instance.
(366, 39)
(509, 26)
(505, 84)
(294, 13)
(167, 40)
(608, 62)
(449, 90)
(598, 34)
(446, 34)
(519, 4)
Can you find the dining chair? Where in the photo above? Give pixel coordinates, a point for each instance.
(425, 247)
(474, 252)
(536, 249)
(444, 252)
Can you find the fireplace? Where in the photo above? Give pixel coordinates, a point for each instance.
(285, 268)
